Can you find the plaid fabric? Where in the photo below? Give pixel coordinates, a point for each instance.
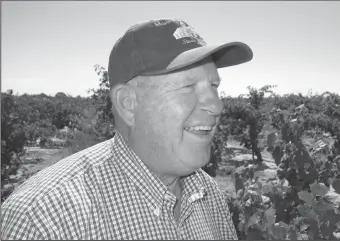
(106, 192)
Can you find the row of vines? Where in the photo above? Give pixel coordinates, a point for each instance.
(294, 204)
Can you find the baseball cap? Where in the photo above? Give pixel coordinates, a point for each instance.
(162, 46)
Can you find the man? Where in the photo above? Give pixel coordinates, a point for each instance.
(146, 182)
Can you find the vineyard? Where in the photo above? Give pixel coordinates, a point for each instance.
(296, 202)
(284, 168)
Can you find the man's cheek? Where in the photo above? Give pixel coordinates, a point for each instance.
(187, 107)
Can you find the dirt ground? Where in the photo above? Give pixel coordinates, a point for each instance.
(234, 157)
(47, 158)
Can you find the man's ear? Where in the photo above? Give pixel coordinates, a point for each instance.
(123, 99)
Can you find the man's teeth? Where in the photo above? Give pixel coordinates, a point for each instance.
(199, 128)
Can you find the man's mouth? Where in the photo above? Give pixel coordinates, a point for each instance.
(201, 130)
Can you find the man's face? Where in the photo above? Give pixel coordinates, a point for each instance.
(175, 120)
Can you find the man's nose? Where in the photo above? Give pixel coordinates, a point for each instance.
(211, 102)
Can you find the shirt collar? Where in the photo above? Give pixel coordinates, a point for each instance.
(194, 188)
(147, 182)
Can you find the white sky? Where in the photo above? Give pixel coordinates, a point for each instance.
(47, 46)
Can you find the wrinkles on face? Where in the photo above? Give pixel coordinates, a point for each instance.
(168, 104)
(210, 101)
(203, 103)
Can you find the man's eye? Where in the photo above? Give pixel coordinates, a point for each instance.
(188, 86)
(215, 85)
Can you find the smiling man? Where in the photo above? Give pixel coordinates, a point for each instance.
(146, 182)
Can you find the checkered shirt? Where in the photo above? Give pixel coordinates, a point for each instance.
(106, 192)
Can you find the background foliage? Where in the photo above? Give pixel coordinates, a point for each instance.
(293, 205)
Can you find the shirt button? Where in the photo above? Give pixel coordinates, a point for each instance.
(193, 197)
(157, 211)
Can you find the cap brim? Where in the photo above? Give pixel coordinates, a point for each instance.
(224, 55)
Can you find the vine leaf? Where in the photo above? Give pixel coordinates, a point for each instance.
(307, 212)
(284, 225)
(252, 220)
(292, 234)
(319, 189)
(326, 229)
(329, 215)
(270, 217)
(257, 174)
(240, 226)
(280, 230)
(322, 207)
(336, 185)
(267, 188)
(306, 197)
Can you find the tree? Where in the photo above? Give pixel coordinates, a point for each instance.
(12, 137)
(245, 117)
(104, 124)
(216, 149)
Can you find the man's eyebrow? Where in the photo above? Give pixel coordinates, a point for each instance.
(191, 79)
(188, 80)
(181, 81)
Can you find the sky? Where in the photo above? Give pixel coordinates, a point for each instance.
(50, 46)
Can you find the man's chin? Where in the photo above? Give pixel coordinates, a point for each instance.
(192, 155)
(194, 162)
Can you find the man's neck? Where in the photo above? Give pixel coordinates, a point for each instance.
(175, 186)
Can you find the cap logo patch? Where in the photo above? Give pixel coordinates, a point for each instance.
(186, 31)
(162, 23)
